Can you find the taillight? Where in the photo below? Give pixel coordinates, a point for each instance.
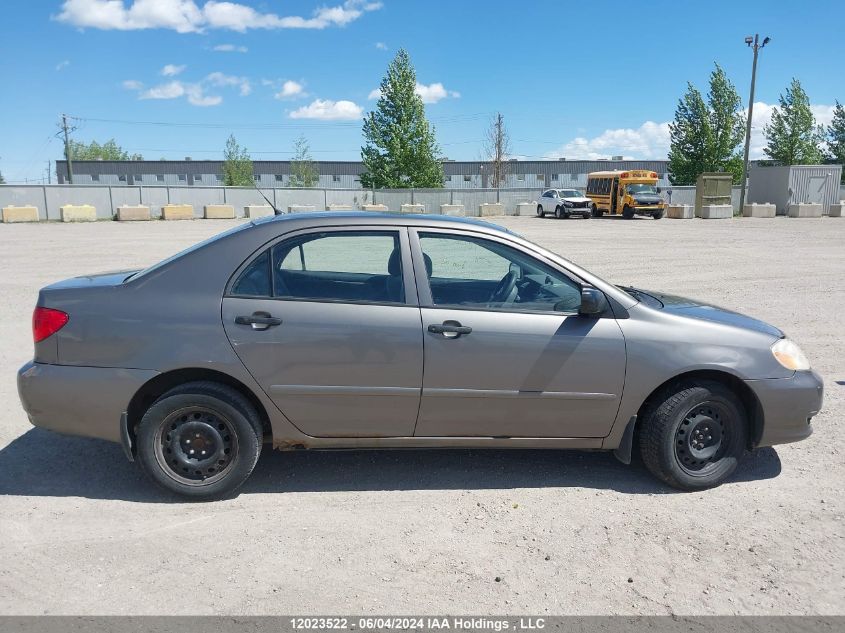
(46, 322)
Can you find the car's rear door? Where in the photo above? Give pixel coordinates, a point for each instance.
(327, 322)
(525, 365)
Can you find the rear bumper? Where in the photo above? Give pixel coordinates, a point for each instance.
(788, 405)
(84, 401)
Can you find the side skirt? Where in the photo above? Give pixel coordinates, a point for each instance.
(583, 443)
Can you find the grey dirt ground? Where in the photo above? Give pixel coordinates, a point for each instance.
(428, 532)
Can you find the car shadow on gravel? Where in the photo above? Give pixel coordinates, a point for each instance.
(42, 463)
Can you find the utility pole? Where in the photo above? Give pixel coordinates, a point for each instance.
(67, 148)
(756, 45)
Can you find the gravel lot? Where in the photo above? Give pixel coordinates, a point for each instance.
(429, 532)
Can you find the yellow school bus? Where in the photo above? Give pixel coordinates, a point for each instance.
(625, 193)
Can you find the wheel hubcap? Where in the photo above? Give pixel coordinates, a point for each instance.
(196, 445)
(700, 438)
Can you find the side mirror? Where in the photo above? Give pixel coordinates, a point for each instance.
(593, 302)
(658, 190)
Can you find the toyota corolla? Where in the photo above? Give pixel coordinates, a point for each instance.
(339, 331)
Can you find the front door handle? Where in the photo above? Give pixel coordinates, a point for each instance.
(449, 329)
(258, 320)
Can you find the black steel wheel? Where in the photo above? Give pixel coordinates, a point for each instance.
(693, 436)
(200, 440)
(196, 445)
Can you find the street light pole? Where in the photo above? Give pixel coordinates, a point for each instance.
(756, 45)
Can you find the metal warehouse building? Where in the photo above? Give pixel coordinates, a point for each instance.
(345, 174)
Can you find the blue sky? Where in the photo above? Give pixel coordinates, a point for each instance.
(574, 79)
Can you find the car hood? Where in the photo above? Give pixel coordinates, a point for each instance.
(699, 310)
(647, 198)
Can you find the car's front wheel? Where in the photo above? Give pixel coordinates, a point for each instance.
(693, 436)
(560, 214)
(200, 440)
(627, 213)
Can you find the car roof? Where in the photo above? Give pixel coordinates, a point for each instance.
(389, 218)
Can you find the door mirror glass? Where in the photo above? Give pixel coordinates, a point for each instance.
(593, 302)
(658, 190)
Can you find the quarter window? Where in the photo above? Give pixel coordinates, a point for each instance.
(470, 272)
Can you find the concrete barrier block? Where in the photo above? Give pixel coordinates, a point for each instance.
(526, 208)
(680, 211)
(177, 212)
(78, 213)
(335, 207)
(133, 213)
(219, 212)
(306, 208)
(837, 209)
(759, 210)
(12, 214)
(258, 211)
(452, 209)
(491, 208)
(412, 208)
(375, 207)
(716, 212)
(805, 210)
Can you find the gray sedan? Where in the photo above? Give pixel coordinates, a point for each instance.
(382, 331)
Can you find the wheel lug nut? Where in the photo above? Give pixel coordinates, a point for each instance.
(187, 441)
(191, 452)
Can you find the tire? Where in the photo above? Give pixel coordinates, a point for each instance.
(540, 211)
(587, 215)
(559, 214)
(597, 213)
(627, 213)
(694, 436)
(225, 423)
(658, 215)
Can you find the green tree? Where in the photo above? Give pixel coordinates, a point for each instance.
(303, 170)
(705, 136)
(835, 137)
(400, 147)
(237, 165)
(792, 135)
(109, 150)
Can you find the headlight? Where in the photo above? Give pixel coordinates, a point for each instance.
(790, 355)
(566, 203)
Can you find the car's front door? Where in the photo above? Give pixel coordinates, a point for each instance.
(506, 352)
(328, 324)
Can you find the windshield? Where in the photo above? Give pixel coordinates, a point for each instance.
(570, 193)
(641, 188)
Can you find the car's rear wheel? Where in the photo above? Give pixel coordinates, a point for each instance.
(693, 437)
(540, 211)
(200, 440)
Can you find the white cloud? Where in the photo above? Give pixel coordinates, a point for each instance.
(132, 84)
(230, 48)
(651, 140)
(381, 46)
(328, 110)
(290, 90)
(242, 83)
(170, 90)
(171, 70)
(187, 16)
(431, 93)
(63, 64)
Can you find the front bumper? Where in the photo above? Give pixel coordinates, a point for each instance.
(788, 405)
(84, 401)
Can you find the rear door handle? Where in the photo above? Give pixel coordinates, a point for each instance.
(449, 329)
(258, 320)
